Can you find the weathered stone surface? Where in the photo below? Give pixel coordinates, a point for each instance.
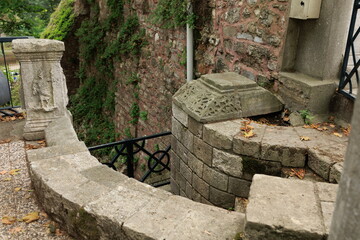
(223, 96)
(335, 172)
(183, 152)
(228, 163)
(221, 199)
(182, 134)
(250, 146)
(215, 178)
(284, 145)
(195, 127)
(175, 189)
(103, 176)
(185, 171)
(195, 165)
(283, 209)
(220, 135)
(201, 186)
(43, 88)
(203, 151)
(180, 115)
(323, 140)
(60, 132)
(252, 166)
(296, 119)
(239, 187)
(327, 191)
(327, 209)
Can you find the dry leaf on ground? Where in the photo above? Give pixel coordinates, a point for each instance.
(3, 172)
(5, 141)
(304, 138)
(300, 173)
(8, 220)
(17, 189)
(337, 134)
(15, 230)
(14, 171)
(31, 217)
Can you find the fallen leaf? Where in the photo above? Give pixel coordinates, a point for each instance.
(44, 214)
(286, 119)
(14, 172)
(300, 173)
(332, 125)
(5, 141)
(3, 172)
(7, 179)
(31, 217)
(15, 230)
(337, 134)
(304, 138)
(8, 220)
(249, 134)
(207, 232)
(58, 232)
(17, 189)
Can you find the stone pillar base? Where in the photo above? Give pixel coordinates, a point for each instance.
(300, 92)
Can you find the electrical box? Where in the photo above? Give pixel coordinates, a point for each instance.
(305, 9)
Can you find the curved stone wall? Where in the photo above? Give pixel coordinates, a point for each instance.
(214, 163)
(92, 201)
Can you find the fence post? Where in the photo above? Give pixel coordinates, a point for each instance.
(43, 89)
(130, 159)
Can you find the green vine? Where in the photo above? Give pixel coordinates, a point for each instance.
(61, 21)
(172, 14)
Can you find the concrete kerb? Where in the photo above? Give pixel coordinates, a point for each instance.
(94, 202)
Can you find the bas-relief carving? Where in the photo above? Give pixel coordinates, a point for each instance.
(42, 88)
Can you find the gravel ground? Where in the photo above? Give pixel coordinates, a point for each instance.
(17, 198)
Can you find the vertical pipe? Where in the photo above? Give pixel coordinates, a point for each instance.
(189, 48)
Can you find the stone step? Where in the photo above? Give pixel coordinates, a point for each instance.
(289, 209)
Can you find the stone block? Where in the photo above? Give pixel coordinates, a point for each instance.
(300, 91)
(175, 189)
(60, 132)
(201, 186)
(228, 163)
(189, 190)
(104, 176)
(183, 135)
(223, 96)
(327, 209)
(180, 115)
(283, 144)
(175, 161)
(183, 152)
(220, 135)
(321, 162)
(336, 172)
(283, 209)
(203, 151)
(185, 171)
(180, 179)
(215, 178)
(322, 140)
(195, 127)
(250, 146)
(55, 151)
(327, 191)
(174, 143)
(221, 199)
(196, 165)
(239, 187)
(196, 196)
(252, 166)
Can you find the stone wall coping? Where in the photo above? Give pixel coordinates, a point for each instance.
(93, 201)
(37, 45)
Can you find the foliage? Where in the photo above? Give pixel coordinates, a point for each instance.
(25, 17)
(306, 115)
(172, 14)
(61, 21)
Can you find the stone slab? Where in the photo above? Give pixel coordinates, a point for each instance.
(284, 145)
(250, 146)
(283, 209)
(327, 191)
(327, 209)
(227, 163)
(336, 172)
(220, 135)
(180, 115)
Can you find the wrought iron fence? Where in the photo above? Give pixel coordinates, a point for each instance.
(157, 161)
(346, 86)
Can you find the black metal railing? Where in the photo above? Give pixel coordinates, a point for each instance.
(157, 161)
(346, 85)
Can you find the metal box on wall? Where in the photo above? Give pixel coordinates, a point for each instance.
(305, 9)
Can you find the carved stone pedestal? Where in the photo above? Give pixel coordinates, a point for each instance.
(43, 90)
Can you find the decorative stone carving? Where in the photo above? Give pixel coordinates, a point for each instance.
(223, 96)
(43, 90)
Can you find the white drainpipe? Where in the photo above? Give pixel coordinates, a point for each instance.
(189, 49)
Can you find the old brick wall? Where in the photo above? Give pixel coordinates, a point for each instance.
(245, 36)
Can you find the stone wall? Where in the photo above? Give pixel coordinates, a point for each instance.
(214, 162)
(244, 36)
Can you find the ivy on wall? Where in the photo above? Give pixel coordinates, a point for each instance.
(61, 21)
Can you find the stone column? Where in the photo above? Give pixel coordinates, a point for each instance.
(43, 90)
(346, 219)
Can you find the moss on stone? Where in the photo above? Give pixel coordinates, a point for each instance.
(61, 21)
(84, 224)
